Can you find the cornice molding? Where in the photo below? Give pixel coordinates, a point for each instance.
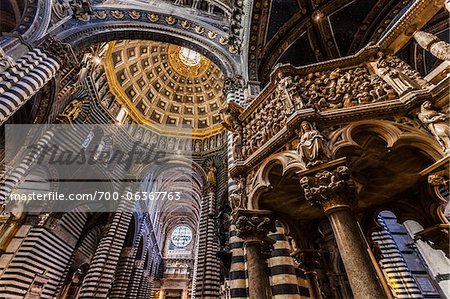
(420, 12)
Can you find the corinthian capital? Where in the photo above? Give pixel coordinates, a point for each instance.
(330, 188)
(232, 84)
(253, 225)
(59, 50)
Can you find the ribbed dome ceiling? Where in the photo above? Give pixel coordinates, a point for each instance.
(166, 86)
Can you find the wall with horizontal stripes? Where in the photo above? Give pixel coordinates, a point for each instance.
(20, 82)
(44, 253)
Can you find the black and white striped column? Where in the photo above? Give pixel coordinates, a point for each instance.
(14, 178)
(123, 273)
(20, 82)
(282, 271)
(238, 271)
(208, 266)
(41, 253)
(99, 279)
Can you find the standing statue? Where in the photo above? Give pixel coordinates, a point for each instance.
(231, 122)
(235, 201)
(211, 175)
(238, 197)
(237, 146)
(437, 123)
(313, 148)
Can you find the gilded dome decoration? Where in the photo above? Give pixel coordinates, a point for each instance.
(187, 63)
(174, 89)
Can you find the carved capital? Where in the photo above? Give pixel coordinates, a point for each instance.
(253, 226)
(308, 260)
(232, 84)
(127, 252)
(437, 180)
(330, 188)
(6, 61)
(59, 50)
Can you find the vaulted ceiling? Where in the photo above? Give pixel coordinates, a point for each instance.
(166, 86)
(303, 32)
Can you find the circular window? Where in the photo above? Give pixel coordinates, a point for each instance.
(181, 236)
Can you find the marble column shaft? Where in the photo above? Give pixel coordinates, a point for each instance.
(258, 283)
(357, 263)
(331, 186)
(253, 227)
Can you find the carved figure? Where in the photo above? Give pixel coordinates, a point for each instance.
(284, 88)
(392, 75)
(73, 110)
(235, 201)
(437, 123)
(313, 148)
(211, 175)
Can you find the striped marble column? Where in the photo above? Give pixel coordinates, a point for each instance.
(208, 266)
(123, 273)
(138, 274)
(136, 278)
(99, 279)
(145, 285)
(14, 178)
(282, 270)
(303, 283)
(238, 271)
(392, 263)
(42, 253)
(23, 80)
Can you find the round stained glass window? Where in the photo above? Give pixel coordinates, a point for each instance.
(181, 236)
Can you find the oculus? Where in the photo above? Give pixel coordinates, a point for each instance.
(189, 57)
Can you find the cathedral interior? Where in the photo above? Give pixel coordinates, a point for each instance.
(245, 149)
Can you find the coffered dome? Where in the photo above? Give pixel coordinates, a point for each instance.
(171, 88)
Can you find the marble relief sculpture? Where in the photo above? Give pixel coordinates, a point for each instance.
(284, 91)
(437, 123)
(388, 70)
(312, 148)
(322, 91)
